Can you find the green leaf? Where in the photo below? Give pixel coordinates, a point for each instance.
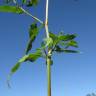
(15, 68)
(48, 42)
(71, 51)
(12, 9)
(17, 65)
(33, 57)
(59, 50)
(32, 3)
(53, 36)
(33, 32)
(24, 1)
(67, 37)
(72, 43)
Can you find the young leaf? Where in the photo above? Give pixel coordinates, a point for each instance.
(58, 49)
(72, 43)
(53, 36)
(33, 32)
(12, 9)
(48, 42)
(67, 37)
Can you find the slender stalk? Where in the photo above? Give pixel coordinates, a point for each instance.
(46, 19)
(26, 12)
(48, 57)
(49, 76)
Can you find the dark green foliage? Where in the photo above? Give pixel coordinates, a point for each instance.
(71, 43)
(33, 32)
(33, 57)
(67, 37)
(48, 42)
(11, 9)
(65, 41)
(60, 50)
(32, 3)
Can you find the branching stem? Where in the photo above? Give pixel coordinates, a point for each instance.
(26, 12)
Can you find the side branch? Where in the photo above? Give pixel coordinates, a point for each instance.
(26, 12)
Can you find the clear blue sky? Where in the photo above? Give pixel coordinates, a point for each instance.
(72, 74)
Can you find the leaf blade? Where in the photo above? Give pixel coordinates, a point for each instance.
(33, 32)
(67, 37)
(10, 9)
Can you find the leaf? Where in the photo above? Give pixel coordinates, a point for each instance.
(32, 3)
(11, 9)
(48, 42)
(58, 49)
(72, 43)
(33, 32)
(33, 57)
(24, 1)
(15, 68)
(67, 37)
(17, 65)
(53, 36)
(71, 51)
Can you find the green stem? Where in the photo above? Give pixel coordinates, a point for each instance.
(49, 76)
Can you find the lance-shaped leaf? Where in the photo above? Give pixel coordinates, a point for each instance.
(70, 51)
(11, 9)
(33, 32)
(17, 65)
(59, 50)
(31, 57)
(67, 37)
(72, 43)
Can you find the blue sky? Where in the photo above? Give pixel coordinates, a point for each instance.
(72, 74)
